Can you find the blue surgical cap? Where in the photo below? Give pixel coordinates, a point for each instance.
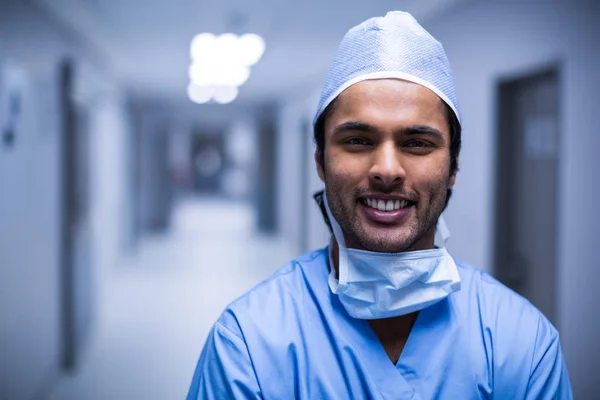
(394, 46)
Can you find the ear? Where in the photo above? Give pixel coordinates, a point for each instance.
(452, 179)
(320, 169)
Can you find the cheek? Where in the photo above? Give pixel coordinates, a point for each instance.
(345, 169)
(428, 174)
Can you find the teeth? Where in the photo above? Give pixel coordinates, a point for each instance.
(389, 205)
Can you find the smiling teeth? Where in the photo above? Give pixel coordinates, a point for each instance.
(389, 205)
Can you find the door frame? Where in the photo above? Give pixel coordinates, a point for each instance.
(505, 170)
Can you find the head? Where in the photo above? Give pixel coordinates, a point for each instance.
(387, 140)
(388, 134)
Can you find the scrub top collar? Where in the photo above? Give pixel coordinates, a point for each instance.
(393, 381)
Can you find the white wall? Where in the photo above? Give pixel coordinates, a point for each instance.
(241, 152)
(153, 126)
(318, 232)
(110, 138)
(29, 243)
(289, 176)
(489, 40)
(30, 183)
(29, 199)
(297, 178)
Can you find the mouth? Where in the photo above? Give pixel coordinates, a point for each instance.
(386, 204)
(387, 210)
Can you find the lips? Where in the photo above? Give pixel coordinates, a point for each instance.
(386, 205)
(388, 210)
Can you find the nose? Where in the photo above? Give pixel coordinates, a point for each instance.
(387, 168)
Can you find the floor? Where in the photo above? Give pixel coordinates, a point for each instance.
(159, 306)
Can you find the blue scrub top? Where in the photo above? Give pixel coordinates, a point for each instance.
(291, 338)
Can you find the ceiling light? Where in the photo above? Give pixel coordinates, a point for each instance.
(251, 48)
(225, 94)
(227, 49)
(200, 94)
(220, 64)
(203, 74)
(203, 45)
(232, 75)
(218, 74)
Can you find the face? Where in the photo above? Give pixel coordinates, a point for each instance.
(387, 164)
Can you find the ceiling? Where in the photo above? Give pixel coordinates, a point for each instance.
(146, 44)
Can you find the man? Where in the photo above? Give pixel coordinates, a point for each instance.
(384, 312)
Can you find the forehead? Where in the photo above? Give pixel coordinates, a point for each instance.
(389, 103)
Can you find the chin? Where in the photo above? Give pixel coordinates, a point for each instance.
(385, 244)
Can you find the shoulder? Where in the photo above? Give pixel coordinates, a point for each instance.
(273, 299)
(517, 338)
(510, 328)
(496, 302)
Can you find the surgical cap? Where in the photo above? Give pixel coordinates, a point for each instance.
(394, 46)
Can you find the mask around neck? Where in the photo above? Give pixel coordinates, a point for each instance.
(375, 285)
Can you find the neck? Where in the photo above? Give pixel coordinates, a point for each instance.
(335, 256)
(392, 332)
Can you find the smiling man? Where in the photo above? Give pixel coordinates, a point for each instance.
(383, 312)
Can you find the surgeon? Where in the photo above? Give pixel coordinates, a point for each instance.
(383, 312)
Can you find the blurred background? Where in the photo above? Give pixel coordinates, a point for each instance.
(143, 188)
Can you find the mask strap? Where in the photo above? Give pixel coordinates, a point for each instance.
(442, 233)
(339, 236)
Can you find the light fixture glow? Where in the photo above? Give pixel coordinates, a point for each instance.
(220, 64)
(200, 94)
(221, 75)
(227, 49)
(251, 49)
(225, 94)
(203, 46)
(232, 75)
(203, 74)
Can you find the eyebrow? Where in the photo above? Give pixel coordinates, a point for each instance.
(367, 128)
(424, 130)
(355, 126)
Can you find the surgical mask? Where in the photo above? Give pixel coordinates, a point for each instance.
(375, 285)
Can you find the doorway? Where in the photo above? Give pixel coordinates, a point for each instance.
(77, 296)
(527, 185)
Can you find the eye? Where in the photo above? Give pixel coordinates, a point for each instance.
(419, 146)
(357, 141)
(418, 143)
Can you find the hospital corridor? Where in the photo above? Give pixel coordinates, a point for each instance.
(160, 305)
(159, 160)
